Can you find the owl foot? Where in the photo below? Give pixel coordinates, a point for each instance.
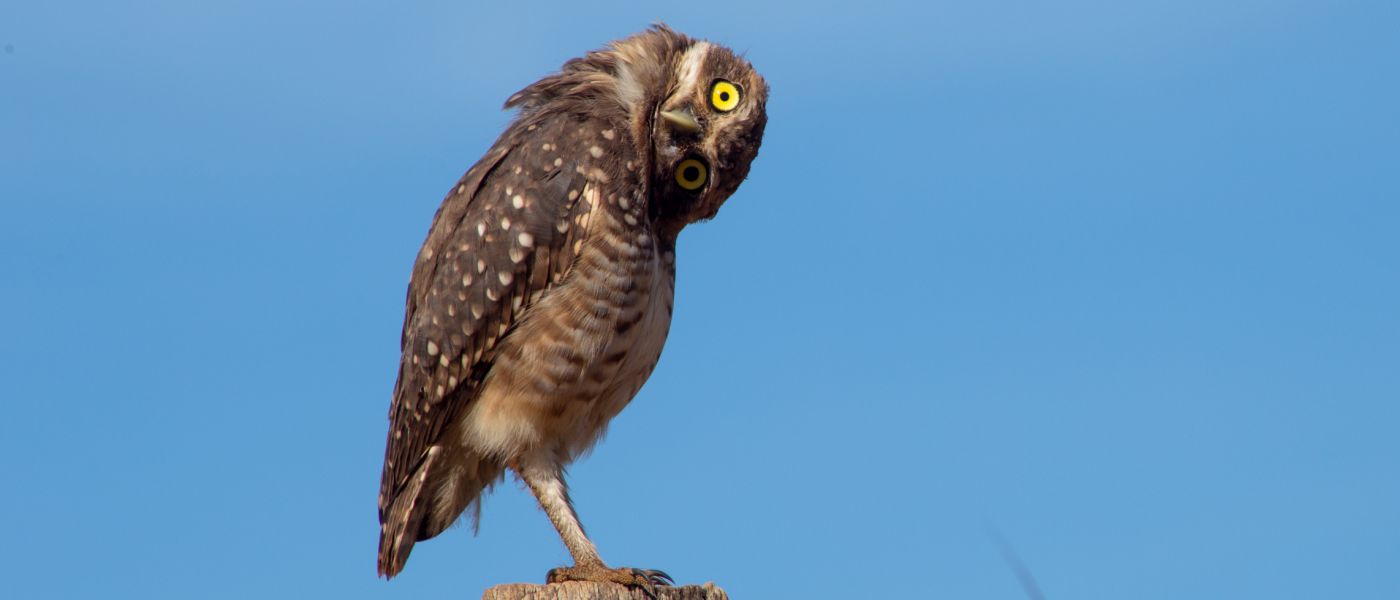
(645, 579)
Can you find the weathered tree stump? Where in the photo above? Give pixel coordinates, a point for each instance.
(587, 590)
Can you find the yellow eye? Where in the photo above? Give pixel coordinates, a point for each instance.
(690, 174)
(724, 96)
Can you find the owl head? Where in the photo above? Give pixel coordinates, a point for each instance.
(706, 132)
(694, 110)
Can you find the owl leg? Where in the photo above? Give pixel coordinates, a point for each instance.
(546, 480)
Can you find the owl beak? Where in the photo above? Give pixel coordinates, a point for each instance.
(682, 119)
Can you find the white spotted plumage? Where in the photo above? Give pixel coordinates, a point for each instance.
(542, 297)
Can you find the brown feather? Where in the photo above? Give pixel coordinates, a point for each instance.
(541, 298)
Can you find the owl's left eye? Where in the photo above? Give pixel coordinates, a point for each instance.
(690, 174)
(724, 96)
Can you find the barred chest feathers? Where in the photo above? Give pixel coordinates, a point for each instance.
(585, 349)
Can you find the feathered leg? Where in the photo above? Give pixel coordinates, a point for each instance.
(546, 480)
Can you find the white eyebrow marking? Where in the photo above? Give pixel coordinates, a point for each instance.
(690, 65)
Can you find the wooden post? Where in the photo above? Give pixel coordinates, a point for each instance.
(587, 590)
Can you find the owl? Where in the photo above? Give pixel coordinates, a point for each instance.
(539, 304)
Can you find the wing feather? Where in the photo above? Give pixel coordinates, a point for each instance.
(500, 240)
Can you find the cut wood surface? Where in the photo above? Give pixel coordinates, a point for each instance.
(586, 590)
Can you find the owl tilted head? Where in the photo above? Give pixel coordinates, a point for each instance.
(694, 112)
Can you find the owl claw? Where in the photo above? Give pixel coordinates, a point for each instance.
(655, 576)
(646, 580)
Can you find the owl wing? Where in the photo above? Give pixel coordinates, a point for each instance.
(501, 238)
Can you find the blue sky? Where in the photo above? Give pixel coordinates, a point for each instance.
(1118, 279)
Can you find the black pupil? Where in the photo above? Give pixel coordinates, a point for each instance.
(724, 96)
(691, 173)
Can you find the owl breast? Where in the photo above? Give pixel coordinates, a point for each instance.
(582, 352)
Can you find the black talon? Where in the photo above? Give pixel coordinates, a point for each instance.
(654, 576)
(649, 579)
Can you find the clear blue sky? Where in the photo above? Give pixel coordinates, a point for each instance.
(1121, 279)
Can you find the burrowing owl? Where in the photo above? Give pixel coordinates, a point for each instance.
(540, 301)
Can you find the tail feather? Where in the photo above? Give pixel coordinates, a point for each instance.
(447, 483)
(402, 521)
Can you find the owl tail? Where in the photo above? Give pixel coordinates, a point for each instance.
(431, 501)
(401, 523)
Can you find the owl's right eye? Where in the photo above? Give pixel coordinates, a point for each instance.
(690, 174)
(724, 96)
